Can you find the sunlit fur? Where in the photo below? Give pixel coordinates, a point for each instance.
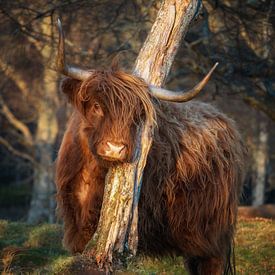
(191, 182)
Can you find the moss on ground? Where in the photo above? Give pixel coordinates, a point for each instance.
(38, 249)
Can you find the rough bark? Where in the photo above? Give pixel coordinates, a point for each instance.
(157, 54)
(117, 230)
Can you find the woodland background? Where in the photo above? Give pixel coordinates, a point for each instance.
(239, 34)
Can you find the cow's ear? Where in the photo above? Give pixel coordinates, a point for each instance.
(69, 87)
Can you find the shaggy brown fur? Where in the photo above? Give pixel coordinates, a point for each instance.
(191, 182)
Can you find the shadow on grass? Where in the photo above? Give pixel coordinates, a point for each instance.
(38, 249)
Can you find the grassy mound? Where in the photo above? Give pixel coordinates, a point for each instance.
(38, 249)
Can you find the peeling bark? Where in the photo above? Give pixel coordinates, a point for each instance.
(158, 52)
(117, 230)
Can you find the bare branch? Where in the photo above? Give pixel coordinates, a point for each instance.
(10, 72)
(19, 125)
(15, 152)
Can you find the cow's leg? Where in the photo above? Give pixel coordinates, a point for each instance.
(204, 266)
(213, 266)
(191, 265)
(76, 229)
(76, 238)
(80, 202)
(81, 221)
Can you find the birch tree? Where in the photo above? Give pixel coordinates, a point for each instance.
(260, 161)
(43, 201)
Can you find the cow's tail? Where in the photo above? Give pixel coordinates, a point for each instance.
(230, 267)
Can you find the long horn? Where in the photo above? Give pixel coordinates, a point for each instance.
(181, 96)
(61, 65)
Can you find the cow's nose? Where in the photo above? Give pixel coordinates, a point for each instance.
(113, 151)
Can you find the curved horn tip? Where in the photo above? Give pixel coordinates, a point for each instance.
(59, 26)
(212, 70)
(59, 23)
(216, 64)
(214, 67)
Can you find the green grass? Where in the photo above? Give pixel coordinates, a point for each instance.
(38, 249)
(26, 248)
(255, 247)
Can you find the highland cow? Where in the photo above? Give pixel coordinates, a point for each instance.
(191, 182)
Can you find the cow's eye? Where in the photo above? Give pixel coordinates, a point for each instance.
(97, 109)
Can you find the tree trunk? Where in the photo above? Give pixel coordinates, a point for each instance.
(260, 157)
(117, 230)
(43, 201)
(158, 52)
